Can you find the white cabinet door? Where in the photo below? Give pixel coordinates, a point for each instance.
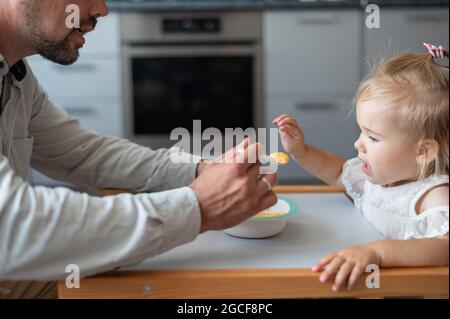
(100, 115)
(87, 77)
(327, 122)
(404, 29)
(312, 51)
(103, 117)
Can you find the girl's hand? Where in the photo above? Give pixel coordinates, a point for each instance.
(436, 52)
(346, 266)
(292, 136)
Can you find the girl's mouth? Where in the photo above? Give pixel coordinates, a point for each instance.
(366, 169)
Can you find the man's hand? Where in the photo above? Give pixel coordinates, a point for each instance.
(201, 167)
(230, 192)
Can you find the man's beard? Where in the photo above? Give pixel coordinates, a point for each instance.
(58, 51)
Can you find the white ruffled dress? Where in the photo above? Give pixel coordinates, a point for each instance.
(392, 210)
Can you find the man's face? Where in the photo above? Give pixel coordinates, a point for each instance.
(45, 26)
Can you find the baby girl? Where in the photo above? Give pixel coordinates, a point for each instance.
(399, 181)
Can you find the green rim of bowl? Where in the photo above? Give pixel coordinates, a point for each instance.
(293, 209)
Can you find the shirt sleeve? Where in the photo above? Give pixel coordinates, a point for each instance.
(65, 151)
(353, 180)
(43, 230)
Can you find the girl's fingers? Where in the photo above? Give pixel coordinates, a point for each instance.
(293, 131)
(331, 268)
(287, 120)
(342, 275)
(357, 272)
(290, 131)
(285, 134)
(279, 118)
(324, 261)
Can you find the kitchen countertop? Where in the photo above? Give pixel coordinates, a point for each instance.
(231, 5)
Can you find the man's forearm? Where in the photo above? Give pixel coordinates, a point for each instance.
(413, 253)
(324, 165)
(56, 227)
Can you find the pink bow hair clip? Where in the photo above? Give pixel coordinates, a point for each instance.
(436, 52)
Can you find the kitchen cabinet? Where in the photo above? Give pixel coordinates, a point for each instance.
(328, 123)
(312, 70)
(404, 29)
(311, 51)
(90, 89)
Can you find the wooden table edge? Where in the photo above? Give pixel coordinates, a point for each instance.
(253, 283)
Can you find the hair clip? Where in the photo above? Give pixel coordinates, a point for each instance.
(436, 52)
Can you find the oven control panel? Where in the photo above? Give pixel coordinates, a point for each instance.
(195, 25)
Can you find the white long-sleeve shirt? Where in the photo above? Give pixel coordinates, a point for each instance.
(42, 230)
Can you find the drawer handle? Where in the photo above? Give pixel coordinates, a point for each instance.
(317, 19)
(80, 111)
(76, 67)
(317, 106)
(426, 17)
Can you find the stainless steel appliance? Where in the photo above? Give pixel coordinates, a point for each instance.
(180, 67)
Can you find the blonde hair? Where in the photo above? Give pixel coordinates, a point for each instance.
(417, 89)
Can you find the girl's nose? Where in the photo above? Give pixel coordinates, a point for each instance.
(359, 146)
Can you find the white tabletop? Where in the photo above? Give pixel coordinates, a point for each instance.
(324, 223)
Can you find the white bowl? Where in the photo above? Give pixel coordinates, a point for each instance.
(257, 228)
(267, 223)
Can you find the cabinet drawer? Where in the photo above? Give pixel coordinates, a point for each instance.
(326, 122)
(87, 77)
(311, 51)
(103, 117)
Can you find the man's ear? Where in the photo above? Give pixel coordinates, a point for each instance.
(428, 151)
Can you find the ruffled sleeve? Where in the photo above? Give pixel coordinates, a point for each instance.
(431, 223)
(353, 180)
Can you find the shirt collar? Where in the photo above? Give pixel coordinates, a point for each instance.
(18, 70)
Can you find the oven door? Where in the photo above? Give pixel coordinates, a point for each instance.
(170, 86)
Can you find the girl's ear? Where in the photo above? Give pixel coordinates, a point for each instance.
(428, 151)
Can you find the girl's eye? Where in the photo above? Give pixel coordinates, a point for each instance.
(373, 139)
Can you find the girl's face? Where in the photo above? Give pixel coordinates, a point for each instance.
(389, 155)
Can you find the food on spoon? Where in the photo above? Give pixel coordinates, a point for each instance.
(280, 158)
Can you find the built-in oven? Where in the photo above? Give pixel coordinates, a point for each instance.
(181, 67)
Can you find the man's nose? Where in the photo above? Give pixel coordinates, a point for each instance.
(99, 9)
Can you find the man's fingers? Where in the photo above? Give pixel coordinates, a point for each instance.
(250, 155)
(265, 185)
(253, 171)
(231, 155)
(267, 200)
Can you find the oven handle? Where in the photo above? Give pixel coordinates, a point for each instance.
(188, 51)
(314, 106)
